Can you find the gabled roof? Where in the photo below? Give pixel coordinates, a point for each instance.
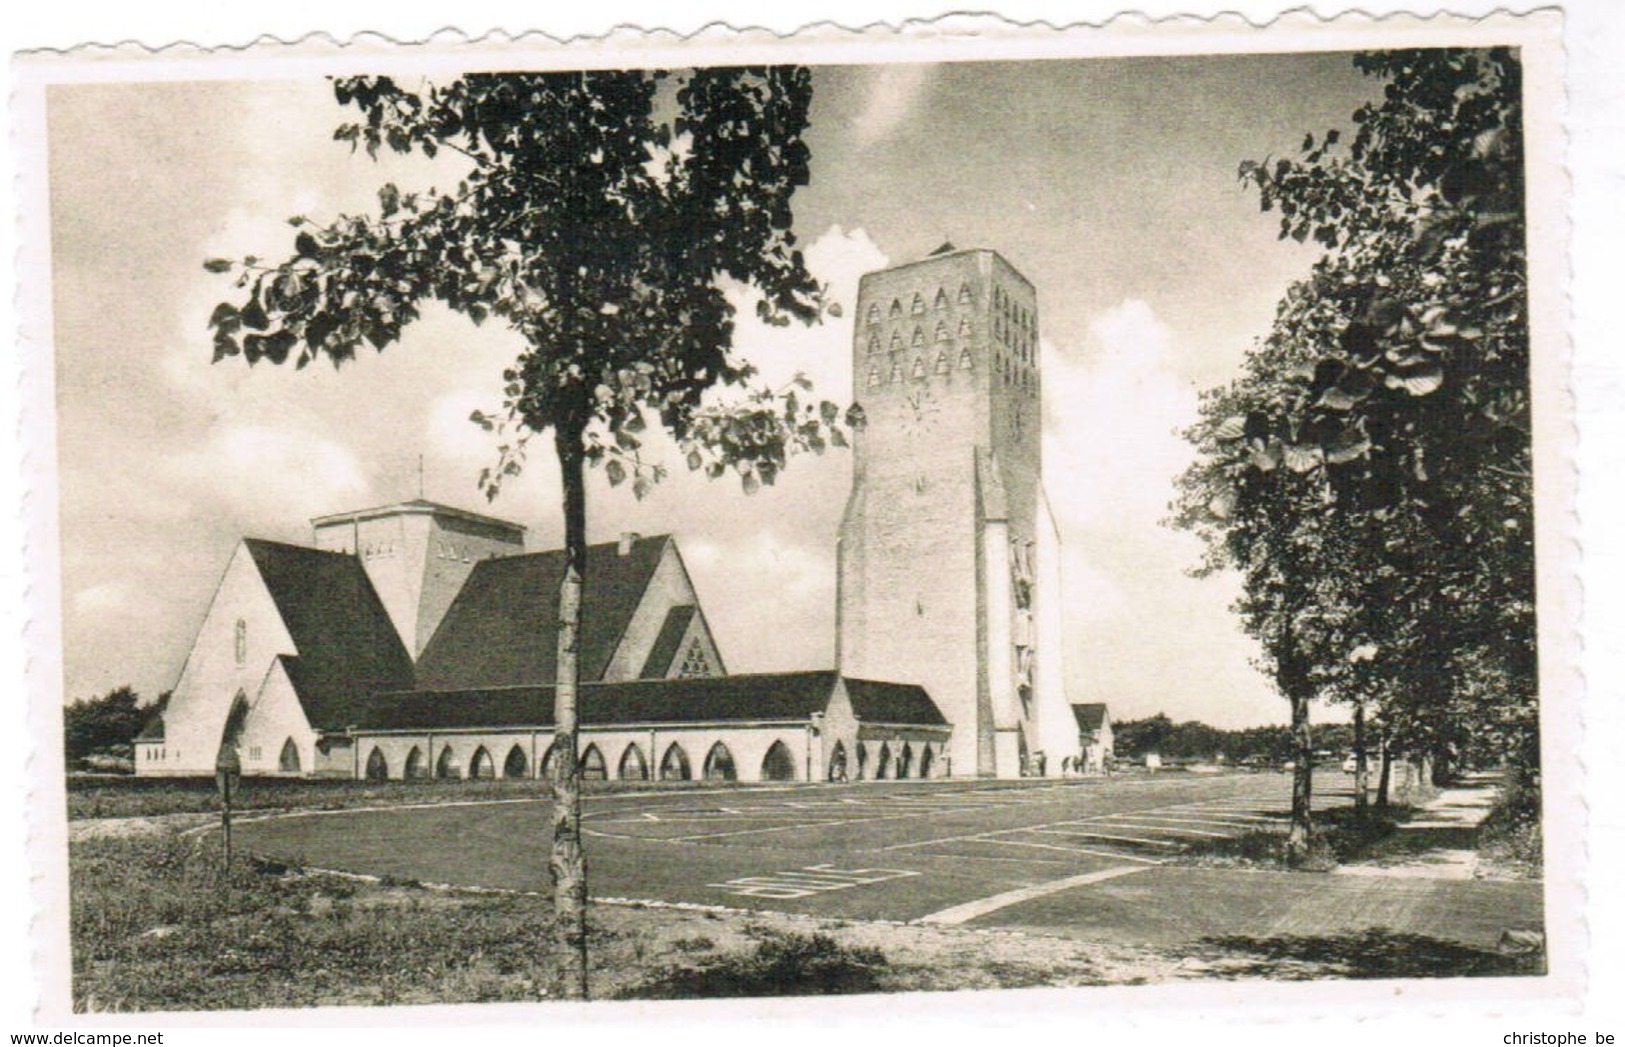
(347, 645)
(1090, 715)
(664, 651)
(703, 699)
(874, 701)
(500, 630)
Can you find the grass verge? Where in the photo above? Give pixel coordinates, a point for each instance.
(1342, 834)
(1510, 842)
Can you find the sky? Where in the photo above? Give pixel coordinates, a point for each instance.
(1110, 183)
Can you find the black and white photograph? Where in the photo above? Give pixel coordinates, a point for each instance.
(969, 509)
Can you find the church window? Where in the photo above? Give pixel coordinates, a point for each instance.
(633, 767)
(942, 332)
(837, 763)
(942, 363)
(942, 299)
(874, 343)
(546, 770)
(674, 765)
(896, 308)
(241, 643)
(883, 762)
(925, 761)
(481, 765)
(965, 294)
(896, 371)
(719, 765)
(288, 762)
(516, 765)
(919, 338)
(905, 761)
(919, 368)
(592, 765)
(896, 341)
(695, 663)
(377, 766)
(965, 361)
(874, 312)
(446, 766)
(874, 376)
(918, 305)
(778, 765)
(863, 761)
(964, 327)
(415, 766)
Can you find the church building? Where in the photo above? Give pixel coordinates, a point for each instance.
(418, 640)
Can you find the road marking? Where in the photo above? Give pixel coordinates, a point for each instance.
(1093, 834)
(1198, 820)
(981, 907)
(1176, 830)
(809, 880)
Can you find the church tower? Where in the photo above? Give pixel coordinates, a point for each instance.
(417, 555)
(949, 559)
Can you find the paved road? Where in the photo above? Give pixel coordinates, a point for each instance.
(1083, 858)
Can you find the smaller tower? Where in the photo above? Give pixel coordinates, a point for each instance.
(417, 555)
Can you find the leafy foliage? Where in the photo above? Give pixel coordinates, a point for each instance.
(1369, 472)
(107, 724)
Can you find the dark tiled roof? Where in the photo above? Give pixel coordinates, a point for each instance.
(500, 630)
(765, 696)
(348, 648)
(152, 730)
(658, 664)
(877, 702)
(1090, 715)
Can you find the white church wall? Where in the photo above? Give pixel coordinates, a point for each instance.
(214, 674)
(1056, 727)
(275, 718)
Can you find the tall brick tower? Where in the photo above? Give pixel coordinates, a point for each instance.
(949, 559)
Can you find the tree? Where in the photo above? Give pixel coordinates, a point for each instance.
(101, 725)
(1369, 472)
(600, 215)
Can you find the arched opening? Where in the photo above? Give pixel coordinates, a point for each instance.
(837, 763)
(288, 762)
(517, 765)
(719, 765)
(925, 761)
(548, 759)
(905, 761)
(1022, 760)
(592, 765)
(883, 762)
(416, 766)
(778, 765)
(377, 766)
(481, 765)
(863, 761)
(633, 767)
(674, 765)
(446, 766)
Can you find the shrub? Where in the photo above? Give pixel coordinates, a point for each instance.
(779, 965)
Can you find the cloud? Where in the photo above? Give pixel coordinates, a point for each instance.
(894, 91)
(274, 474)
(100, 599)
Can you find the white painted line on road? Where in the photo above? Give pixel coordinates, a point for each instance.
(1096, 835)
(1176, 830)
(981, 907)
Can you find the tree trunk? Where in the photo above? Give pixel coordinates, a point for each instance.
(567, 863)
(1384, 775)
(1303, 745)
(1361, 771)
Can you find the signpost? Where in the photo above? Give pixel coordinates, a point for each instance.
(228, 771)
